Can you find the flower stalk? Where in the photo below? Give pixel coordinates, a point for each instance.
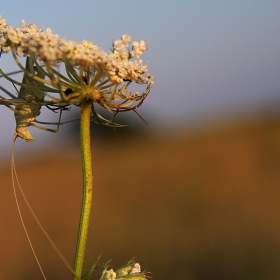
(87, 190)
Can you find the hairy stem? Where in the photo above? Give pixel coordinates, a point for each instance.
(87, 190)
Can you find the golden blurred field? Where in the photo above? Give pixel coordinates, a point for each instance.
(200, 205)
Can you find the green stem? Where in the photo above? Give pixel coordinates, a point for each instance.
(87, 190)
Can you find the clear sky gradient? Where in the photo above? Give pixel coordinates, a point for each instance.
(206, 56)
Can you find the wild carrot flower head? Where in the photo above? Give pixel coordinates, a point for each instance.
(91, 74)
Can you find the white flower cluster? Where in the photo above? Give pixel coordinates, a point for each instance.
(137, 47)
(91, 74)
(51, 49)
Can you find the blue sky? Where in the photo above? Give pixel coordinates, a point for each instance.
(207, 56)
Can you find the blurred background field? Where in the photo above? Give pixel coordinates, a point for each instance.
(193, 195)
(198, 204)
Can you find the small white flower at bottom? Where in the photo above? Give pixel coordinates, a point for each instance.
(110, 275)
(136, 268)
